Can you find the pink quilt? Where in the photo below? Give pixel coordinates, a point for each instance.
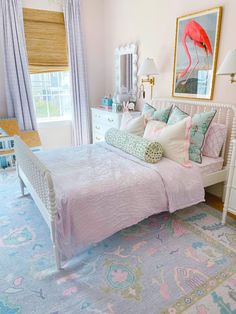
(101, 190)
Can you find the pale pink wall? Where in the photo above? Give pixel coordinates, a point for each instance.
(151, 23)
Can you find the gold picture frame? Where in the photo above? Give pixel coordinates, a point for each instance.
(196, 52)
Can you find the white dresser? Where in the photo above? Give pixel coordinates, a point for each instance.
(230, 198)
(103, 120)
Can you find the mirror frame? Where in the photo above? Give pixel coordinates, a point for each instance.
(123, 50)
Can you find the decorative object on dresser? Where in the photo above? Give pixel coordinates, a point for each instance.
(228, 67)
(230, 198)
(196, 52)
(103, 120)
(9, 128)
(148, 69)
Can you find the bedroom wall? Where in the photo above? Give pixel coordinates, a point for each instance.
(60, 133)
(151, 24)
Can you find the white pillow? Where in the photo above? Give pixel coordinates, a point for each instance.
(152, 129)
(133, 125)
(175, 140)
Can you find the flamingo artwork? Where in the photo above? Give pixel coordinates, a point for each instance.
(196, 33)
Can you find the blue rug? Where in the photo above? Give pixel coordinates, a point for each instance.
(184, 262)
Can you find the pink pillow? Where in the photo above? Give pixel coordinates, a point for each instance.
(174, 139)
(215, 139)
(153, 129)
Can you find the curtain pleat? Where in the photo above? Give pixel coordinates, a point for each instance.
(81, 110)
(17, 80)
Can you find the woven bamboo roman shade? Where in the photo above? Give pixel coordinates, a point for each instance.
(45, 40)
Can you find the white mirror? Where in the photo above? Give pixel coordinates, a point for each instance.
(126, 72)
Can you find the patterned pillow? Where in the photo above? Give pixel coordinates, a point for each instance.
(175, 140)
(133, 125)
(159, 114)
(201, 122)
(215, 139)
(134, 145)
(176, 116)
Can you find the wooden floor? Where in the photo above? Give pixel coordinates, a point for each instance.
(216, 203)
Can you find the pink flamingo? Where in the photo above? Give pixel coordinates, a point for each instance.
(198, 35)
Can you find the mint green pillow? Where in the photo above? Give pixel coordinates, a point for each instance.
(159, 114)
(176, 116)
(137, 146)
(200, 124)
(148, 109)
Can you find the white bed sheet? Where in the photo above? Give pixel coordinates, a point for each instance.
(210, 165)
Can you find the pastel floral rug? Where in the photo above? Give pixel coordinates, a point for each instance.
(179, 263)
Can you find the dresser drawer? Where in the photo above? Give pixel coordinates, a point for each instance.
(98, 137)
(232, 199)
(234, 179)
(101, 128)
(112, 120)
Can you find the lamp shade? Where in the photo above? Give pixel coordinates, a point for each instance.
(148, 68)
(228, 66)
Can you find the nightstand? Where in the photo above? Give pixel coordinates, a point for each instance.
(103, 120)
(230, 198)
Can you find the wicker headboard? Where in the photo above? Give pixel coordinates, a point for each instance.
(226, 114)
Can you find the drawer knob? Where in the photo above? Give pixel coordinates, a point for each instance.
(97, 127)
(98, 138)
(110, 120)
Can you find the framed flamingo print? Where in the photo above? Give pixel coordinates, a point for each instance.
(196, 50)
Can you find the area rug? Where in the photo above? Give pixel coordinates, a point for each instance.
(179, 263)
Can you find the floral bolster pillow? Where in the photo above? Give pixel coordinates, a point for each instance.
(137, 146)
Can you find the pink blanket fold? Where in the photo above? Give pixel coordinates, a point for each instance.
(101, 190)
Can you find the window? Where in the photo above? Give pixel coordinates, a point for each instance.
(51, 95)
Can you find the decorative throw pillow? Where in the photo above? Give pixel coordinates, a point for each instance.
(153, 129)
(137, 146)
(133, 125)
(159, 114)
(148, 110)
(214, 141)
(201, 122)
(175, 141)
(176, 116)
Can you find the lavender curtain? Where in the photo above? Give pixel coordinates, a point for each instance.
(17, 81)
(81, 111)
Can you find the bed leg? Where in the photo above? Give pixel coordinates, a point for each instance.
(55, 248)
(224, 215)
(22, 187)
(57, 257)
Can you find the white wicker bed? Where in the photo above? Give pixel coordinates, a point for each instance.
(34, 175)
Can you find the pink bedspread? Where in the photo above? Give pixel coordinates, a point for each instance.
(101, 190)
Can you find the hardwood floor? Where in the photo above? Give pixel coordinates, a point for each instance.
(216, 203)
